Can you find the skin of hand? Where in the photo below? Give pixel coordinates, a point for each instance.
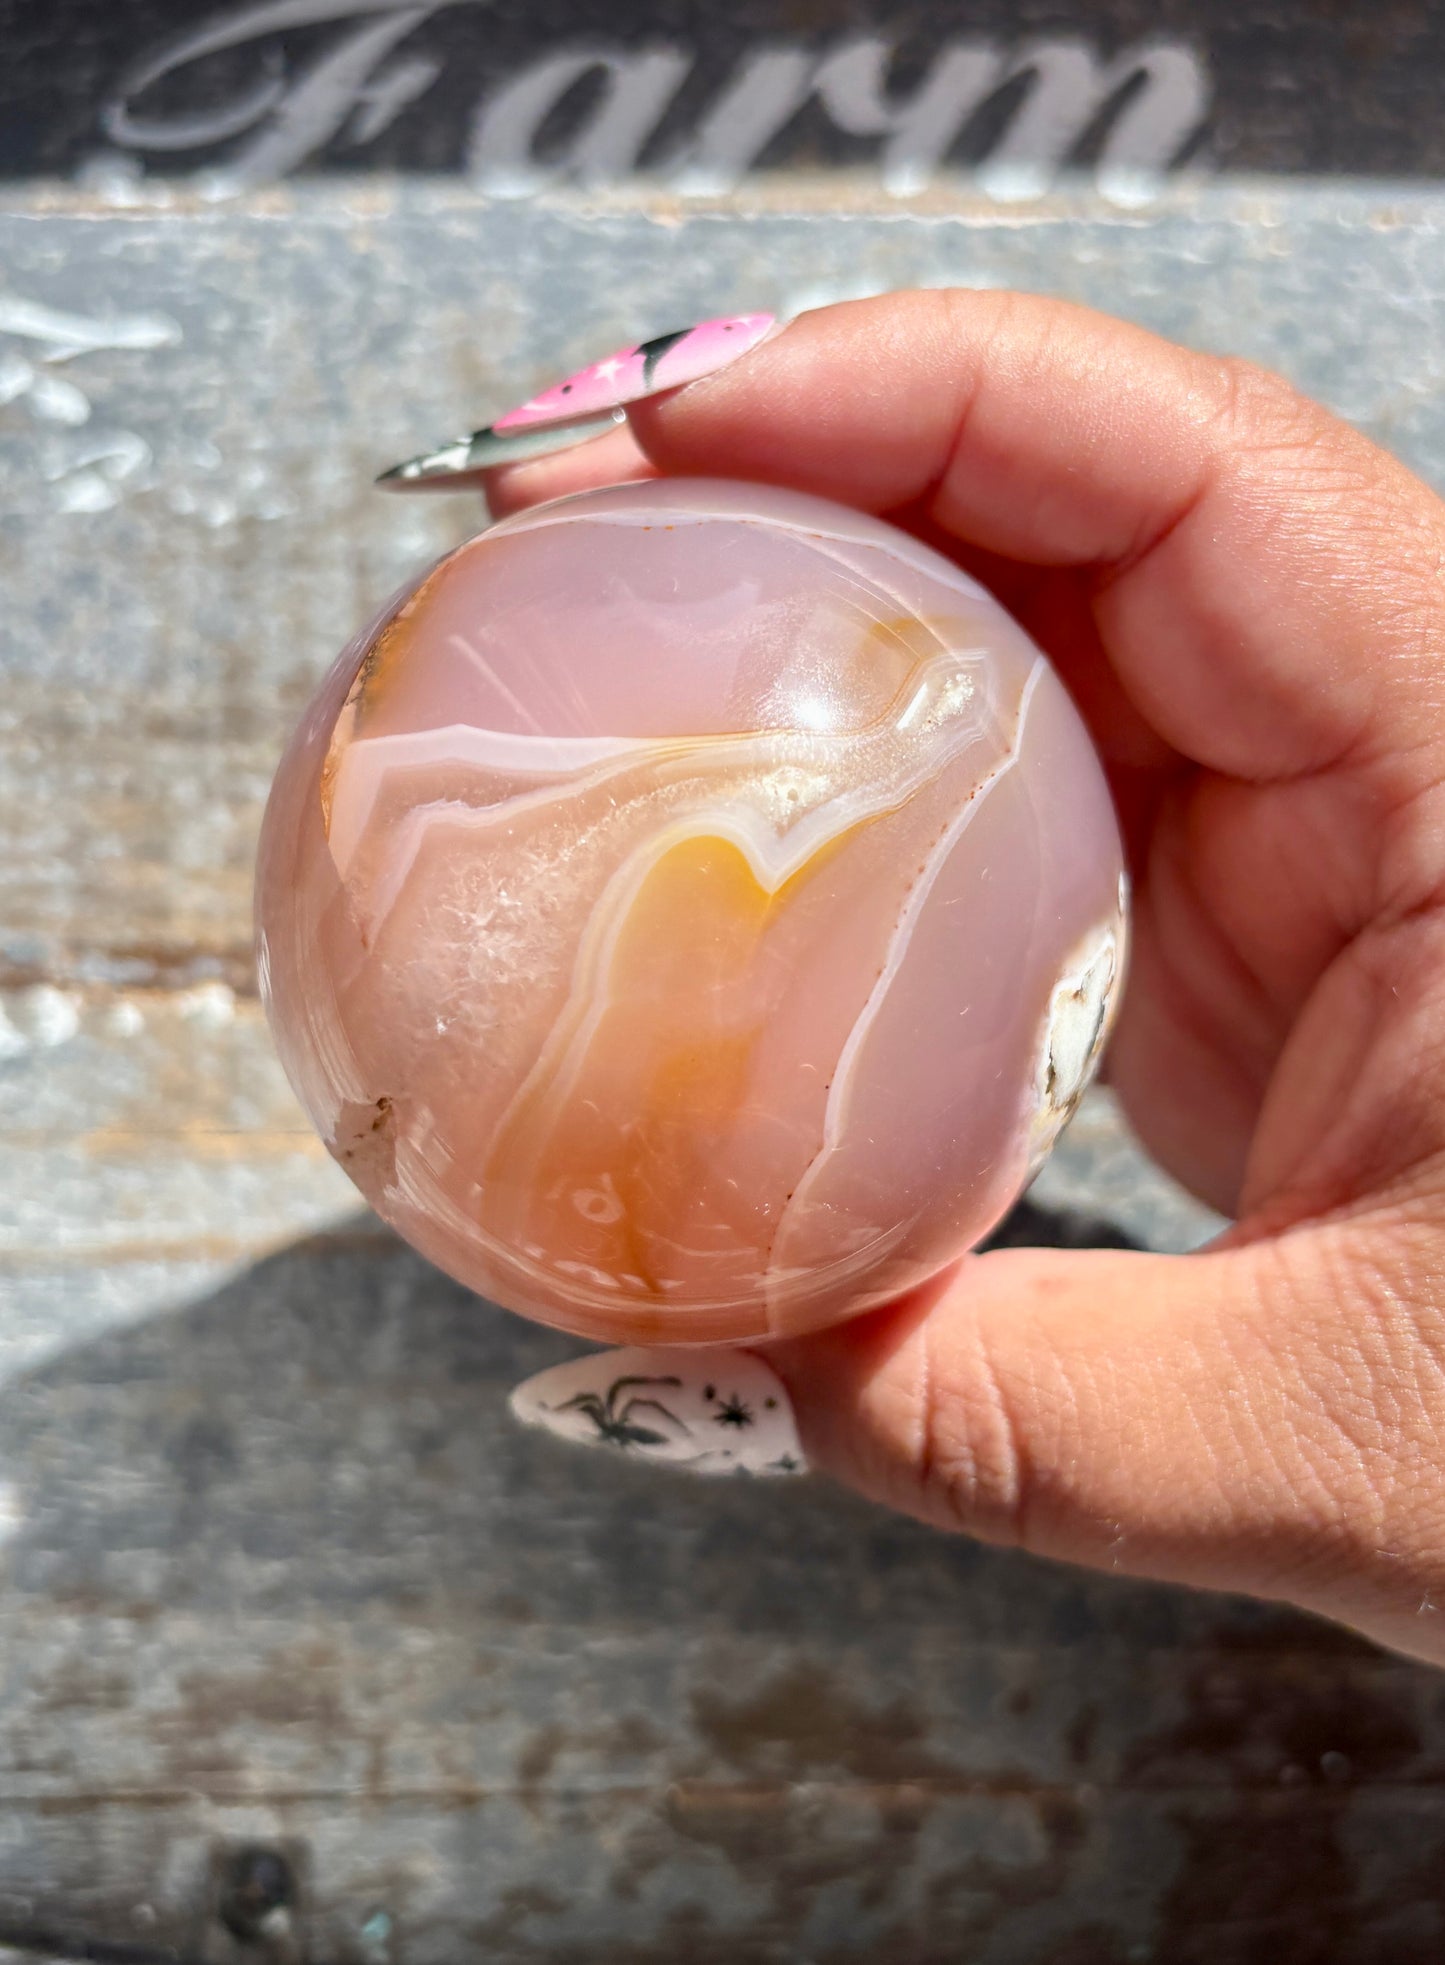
(1247, 599)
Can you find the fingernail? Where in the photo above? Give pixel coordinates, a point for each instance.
(589, 401)
(646, 369)
(463, 457)
(706, 1411)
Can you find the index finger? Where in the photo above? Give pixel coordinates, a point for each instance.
(1265, 578)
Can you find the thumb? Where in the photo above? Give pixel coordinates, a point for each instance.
(1217, 1419)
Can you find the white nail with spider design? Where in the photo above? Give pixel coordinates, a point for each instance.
(710, 1412)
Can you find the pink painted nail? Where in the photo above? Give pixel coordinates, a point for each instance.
(665, 362)
(591, 399)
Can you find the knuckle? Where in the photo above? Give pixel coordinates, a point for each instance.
(970, 1460)
(1367, 1363)
(1254, 411)
(1259, 422)
(1267, 439)
(1250, 390)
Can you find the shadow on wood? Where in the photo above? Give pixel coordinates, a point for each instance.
(285, 1578)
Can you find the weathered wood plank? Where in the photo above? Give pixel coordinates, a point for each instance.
(278, 1571)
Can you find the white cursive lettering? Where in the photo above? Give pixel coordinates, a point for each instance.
(638, 87)
(1145, 104)
(851, 86)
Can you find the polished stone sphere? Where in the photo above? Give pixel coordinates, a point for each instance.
(690, 913)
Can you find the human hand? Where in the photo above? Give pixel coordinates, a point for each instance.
(1245, 597)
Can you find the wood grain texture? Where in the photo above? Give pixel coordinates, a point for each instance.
(305, 1653)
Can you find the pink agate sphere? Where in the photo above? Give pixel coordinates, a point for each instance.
(691, 913)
